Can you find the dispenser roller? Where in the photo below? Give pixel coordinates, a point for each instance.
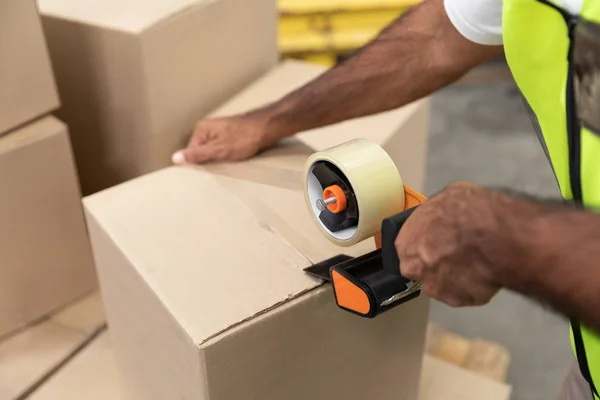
(368, 187)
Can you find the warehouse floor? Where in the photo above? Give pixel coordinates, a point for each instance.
(482, 134)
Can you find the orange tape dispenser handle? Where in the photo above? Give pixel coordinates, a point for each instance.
(373, 283)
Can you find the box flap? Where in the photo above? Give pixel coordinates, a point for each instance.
(129, 16)
(209, 257)
(287, 214)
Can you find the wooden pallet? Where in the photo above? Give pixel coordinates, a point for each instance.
(68, 357)
(31, 356)
(483, 357)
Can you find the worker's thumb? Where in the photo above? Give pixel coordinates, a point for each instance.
(194, 155)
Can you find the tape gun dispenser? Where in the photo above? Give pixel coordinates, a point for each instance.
(354, 192)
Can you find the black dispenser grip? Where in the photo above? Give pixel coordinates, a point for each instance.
(390, 228)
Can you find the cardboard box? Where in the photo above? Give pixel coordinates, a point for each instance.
(28, 90)
(135, 76)
(46, 258)
(403, 132)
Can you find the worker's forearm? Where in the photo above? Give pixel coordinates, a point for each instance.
(414, 56)
(558, 259)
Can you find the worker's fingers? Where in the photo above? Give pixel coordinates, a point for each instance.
(461, 290)
(412, 267)
(201, 135)
(194, 155)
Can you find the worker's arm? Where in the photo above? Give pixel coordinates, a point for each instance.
(466, 243)
(562, 265)
(414, 56)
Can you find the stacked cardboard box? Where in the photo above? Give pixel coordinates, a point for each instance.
(45, 257)
(27, 86)
(135, 76)
(201, 270)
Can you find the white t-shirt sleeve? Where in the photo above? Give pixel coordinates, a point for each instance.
(480, 21)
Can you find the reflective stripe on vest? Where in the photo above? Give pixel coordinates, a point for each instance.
(537, 45)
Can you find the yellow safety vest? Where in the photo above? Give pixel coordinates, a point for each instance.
(538, 42)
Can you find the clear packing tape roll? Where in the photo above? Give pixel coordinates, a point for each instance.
(374, 181)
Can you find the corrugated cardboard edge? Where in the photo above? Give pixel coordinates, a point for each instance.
(288, 302)
(29, 133)
(157, 23)
(266, 217)
(288, 299)
(81, 21)
(277, 178)
(151, 24)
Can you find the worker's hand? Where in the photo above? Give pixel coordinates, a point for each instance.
(226, 139)
(453, 242)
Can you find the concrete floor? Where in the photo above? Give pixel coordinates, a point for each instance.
(482, 134)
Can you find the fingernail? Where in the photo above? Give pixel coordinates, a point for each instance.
(178, 157)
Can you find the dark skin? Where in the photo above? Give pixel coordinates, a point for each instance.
(466, 242)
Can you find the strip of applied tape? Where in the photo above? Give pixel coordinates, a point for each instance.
(282, 211)
(271, 186)
(261, 174)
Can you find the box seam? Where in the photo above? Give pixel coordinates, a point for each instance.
(267, 310)
(158, 23)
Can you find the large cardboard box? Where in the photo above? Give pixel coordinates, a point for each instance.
(45, 255)
(135, 76)
(201, 271)
(27, 87)
(206, 297)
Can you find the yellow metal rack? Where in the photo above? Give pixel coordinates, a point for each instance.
(322, 31)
